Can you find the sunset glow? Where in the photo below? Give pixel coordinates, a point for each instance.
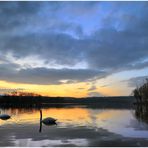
(76, 49)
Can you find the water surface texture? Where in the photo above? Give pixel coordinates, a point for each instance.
(76, 126)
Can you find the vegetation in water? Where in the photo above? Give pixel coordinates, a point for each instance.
(141, 105)
(141, 93)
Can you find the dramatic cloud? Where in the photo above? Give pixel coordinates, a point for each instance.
(107, 36)
(47, 76)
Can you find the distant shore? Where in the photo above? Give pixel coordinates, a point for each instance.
(124, 102)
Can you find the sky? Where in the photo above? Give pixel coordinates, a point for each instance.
(76, 49)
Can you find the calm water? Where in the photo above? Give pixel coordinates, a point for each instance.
(76, 126)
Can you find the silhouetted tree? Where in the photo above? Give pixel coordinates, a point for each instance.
(141, 106)
(21, 93)
(141, 93)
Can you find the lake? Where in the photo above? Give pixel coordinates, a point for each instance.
(76, 126)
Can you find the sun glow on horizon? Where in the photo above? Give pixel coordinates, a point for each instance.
(63, 90)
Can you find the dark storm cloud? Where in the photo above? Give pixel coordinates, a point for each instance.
(52, 32)
(65, 50)
(61, 48)
(7, 68)
(14, 14)
(117, 50)
(108, 48)
(34, 16)
(47, 76)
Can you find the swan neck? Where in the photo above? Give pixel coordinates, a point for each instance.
(40, 115)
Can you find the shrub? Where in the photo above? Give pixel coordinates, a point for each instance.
(141, 93)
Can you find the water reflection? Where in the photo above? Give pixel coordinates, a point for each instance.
(89, 127)
(141, 112)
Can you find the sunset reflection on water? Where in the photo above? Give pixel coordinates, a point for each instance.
(63, 115)
(75, 124)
